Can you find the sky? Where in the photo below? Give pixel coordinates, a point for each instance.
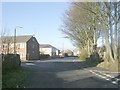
(41, 19)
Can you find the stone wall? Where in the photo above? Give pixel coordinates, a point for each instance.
(11, 61)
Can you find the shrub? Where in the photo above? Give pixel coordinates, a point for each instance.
(84, 54)
(65, 54)
(103, 49)
(44, 56)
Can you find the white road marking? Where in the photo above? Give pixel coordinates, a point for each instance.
(98, 74)
(108, 77)
(107, 71)
(29, 64)
(117, 79)
(104, 74)
(114, 82)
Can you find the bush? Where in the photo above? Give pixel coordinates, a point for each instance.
(84, 54)
(44, 56)
(103, 49)
(65, 55)
(11, 61)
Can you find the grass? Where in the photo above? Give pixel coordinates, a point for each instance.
(14, 78)
(110, 66)
(0, 74)
(114, 67)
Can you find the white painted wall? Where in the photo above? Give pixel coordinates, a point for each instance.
(49, 51)
(46, 51)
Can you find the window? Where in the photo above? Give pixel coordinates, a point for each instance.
(22, 45)
(33, 46)
(33, 52)
(33, 39)
(3, 46)
(12, 45)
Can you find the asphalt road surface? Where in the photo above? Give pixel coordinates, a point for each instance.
(63, 73)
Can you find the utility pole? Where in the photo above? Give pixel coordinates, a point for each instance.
(15, 39)
(63, 46)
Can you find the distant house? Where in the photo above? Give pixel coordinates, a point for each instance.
(76, 52)
(27, 46)
(0, 46)
(48, 49)
(67, 51)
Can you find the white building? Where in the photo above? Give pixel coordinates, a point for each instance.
(76, 52)
(48, 49)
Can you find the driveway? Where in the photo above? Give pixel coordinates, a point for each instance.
(63, 73)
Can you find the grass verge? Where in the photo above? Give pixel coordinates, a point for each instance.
(110, 66)
(14, 78)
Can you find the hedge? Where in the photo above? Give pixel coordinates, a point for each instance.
(44, 56)
(11, 61)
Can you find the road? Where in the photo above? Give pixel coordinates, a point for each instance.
(63, 73)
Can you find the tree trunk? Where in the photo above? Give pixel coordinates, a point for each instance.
(111, 30)
(88, 47)
(95, 38)
(109, 56)
(115, 31)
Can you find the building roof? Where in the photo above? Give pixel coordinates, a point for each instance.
(19, 39)
(46, 46)
(66, 51)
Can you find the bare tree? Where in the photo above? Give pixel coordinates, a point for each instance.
(85, 22)
(5, 41)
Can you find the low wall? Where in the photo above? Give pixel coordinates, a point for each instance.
(44, 56)
(11, 61)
